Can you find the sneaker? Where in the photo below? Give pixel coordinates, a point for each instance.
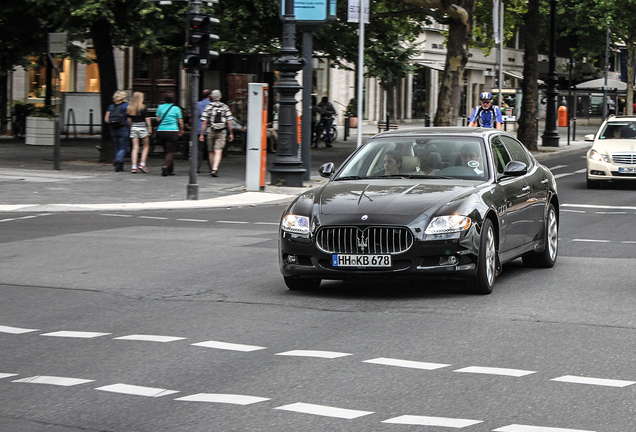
(133, 170)
(213, 173)
(143, 168)
(164, 171)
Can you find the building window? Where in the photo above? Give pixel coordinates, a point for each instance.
(92, 73)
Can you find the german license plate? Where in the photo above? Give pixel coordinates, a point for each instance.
(627, 170)
(346, 260)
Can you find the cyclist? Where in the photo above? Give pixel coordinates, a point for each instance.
(327, 111)
(486, 114)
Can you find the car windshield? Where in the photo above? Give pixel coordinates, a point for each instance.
(418, 157)
(619, 130)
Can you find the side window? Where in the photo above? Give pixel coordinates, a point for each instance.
(500, 154)
(516, 150)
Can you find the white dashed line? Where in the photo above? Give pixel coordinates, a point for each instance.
(523, 428)
(150, 338)
(116, 215)
(326, 411)
(593, 381)
(629, 242)
(228, 346)
(573, 211)
(557, 167)
(610, 213)
(591, 240)
(75, 334)
(7, 375)
(223, 398)
(15, 330)
(406, 363)
(571, 173)
(232, 222)
(6, 220)
(432, 421)
(193, 220)
(604, 207)
(137, 390)
(266, 223)
(310, 353)
(495, 371)
(53, 380)
(152, 217)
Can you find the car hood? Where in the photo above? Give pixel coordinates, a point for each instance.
(614, 146)
(399, 197)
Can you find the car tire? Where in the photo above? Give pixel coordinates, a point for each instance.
(484, 280)
(548, 257)
(296, 283)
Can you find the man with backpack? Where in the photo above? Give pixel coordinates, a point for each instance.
(217, 118)
(486, 114)
(116, 119)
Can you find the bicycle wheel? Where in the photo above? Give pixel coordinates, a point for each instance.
(334, 133)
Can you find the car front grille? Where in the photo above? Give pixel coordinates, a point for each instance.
(624, 158)
(365, 240)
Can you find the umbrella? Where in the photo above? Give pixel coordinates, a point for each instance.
(600, 82)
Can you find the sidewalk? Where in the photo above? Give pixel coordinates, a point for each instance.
(30, 184)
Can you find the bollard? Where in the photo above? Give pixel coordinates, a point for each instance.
(347, 125)
(90, 122)
(427, 120)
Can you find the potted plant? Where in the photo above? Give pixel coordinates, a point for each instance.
(40, 126)
(352, 112)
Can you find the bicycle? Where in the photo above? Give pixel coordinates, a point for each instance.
(320, 132)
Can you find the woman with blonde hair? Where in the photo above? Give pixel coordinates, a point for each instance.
(116, 119)
(140, 128)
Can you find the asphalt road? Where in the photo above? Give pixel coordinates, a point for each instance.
(180, 321)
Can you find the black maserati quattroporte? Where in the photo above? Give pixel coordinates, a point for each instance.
(428, 203)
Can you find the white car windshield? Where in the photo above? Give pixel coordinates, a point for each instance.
(419, 157)
(619, 130)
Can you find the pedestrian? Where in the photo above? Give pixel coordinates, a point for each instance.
(116, 119)
(140, 129)
(327, 111)
(611, 106)
(216, 119)
(169, 129)
(203, 147)
(486, 114)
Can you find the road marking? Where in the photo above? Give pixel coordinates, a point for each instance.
(611, 213)
(228, 346)
(136, 390)
(495, 371)
(591, 240)
(557, 167)
(406, 363)
(53, 380)
(75, 334)
(432, 421)
(323, 410)
(6, 220)
(629, 242)
(266, 223)
(150, 338)
(152, 217)
(7, 375)
(523, 428)
(223, 398)
(606, 207)
(116, 215)
(15, 330)
(311, 353)
(573, 211)
(232, 222)
(193, 220)
(571, 173)
(593, 381)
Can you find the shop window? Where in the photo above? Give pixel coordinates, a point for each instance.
(92, 73)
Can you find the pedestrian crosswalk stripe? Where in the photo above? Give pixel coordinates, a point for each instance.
(6, 375)
(310, 353)
(150, 338)
(228, 346)
(524, 428)
(432, 421)
(75, 334)
(323, 410)
(137, 390)
(53, 380)
(495, 371)
(593, 381)
(15, 330)
(223, 398)
(406, 363)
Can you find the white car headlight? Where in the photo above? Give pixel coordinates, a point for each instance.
(598, 157)
(448, 224)
(295, 224)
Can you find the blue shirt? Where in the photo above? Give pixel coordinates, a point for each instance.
(485, 119)
(171, 120)
(200, 107)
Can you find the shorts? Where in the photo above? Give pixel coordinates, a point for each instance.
(138, 130)
(216, 139)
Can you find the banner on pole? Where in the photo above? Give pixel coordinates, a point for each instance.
(495, 21)
(353, 11)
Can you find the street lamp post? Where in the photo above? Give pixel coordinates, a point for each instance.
(550, 135)
(287, 169)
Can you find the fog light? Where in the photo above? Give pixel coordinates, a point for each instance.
(291, 259)
(452, 260)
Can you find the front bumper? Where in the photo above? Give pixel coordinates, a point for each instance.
(606, 171)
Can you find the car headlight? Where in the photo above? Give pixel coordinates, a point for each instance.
(598, 157)
(448, 224)
(295, 224)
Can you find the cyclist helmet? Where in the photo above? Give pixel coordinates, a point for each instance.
(485, 96)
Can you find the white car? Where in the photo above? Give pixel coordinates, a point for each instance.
(613, 154)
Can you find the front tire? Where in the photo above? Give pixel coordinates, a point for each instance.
(548, 257)
(484, 281)
(295, 283)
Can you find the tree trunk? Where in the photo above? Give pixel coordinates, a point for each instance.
(527, 132)
(3, 100)
(631, 57)
(449, 98)
(100, 32)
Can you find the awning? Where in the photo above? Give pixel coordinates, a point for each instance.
(432, 66)
(600, 83)
(515, 75)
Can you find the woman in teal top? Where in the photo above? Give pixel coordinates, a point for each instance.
(170, 128)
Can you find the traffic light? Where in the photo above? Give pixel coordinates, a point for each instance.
(198, 38)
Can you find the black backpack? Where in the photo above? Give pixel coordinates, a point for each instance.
(116, 118)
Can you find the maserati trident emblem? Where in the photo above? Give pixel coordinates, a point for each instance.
(365, 217)
(363, 242)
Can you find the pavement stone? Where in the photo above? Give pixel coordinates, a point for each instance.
(29, 182)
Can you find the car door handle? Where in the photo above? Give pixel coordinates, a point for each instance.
(525, 189)
(545, 181)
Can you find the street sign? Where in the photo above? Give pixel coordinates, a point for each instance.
(312, 14)
(353, 11)
(57, 43)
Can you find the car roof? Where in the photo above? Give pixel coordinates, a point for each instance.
(442, 130)
(621, 119)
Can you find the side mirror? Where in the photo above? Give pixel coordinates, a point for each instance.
(515, 169)
(589, 137)
(327, 170)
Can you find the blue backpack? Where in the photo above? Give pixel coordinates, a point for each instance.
(116, 117)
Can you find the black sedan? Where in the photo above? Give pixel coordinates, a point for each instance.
(428, 203)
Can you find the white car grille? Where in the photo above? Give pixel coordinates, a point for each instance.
(624, 158)
(367, 240)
